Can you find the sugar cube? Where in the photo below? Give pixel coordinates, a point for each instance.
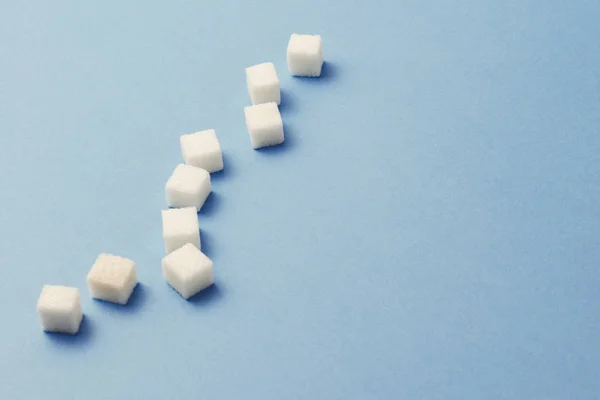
(305, 55)
(112, 278)
(188, 186)
(264, 124)
(188, 270)
(180, 226)
(59, 309)
(202, 150)
(263, 83)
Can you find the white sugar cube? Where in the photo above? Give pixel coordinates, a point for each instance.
(305, 55)
(264, 124)
(188, 186)
(180, 226)
(188, 270)
(112, 278)
(59, 309)
(263, 83)
(202, 150)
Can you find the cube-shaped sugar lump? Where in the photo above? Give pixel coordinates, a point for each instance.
(112, 278)
(188, 186)
(180, 226)
(263, 83)
(59, 309)
(305, 55)
(202, 150)
(188, 270)
(264, 124)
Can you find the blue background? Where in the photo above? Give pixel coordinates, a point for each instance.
(429, 230)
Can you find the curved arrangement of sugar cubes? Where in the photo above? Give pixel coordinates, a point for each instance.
(113, 278)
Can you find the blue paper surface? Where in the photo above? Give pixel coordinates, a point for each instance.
(429, 229)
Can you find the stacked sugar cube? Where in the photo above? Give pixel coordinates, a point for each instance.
(113, 278)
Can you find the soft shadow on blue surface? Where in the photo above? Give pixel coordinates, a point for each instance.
(206, 297)
(284, 147)
(329, 72)
(80, 339)
(225, 172)
(135, 303)
(211, 205)
(206, 242)
(287, 102)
